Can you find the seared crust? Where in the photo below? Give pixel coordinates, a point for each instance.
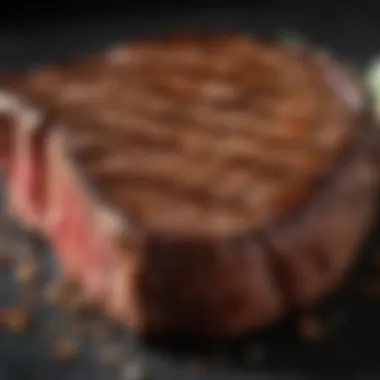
(276, 197)
(256, 129)
(228, 181)
(229, 285)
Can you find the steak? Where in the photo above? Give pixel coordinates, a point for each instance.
(200, 185)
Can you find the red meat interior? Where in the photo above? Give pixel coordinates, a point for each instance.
(26, 198)
(73, 238)
(27, 195)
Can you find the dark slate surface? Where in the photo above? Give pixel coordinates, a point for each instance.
(354, 33)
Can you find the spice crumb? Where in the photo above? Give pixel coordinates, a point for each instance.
(134, 371)
(59, 293)
(65, 351)
(311, 328)
(27, 272)
(16, 320)
(112, 355)
(101, 331)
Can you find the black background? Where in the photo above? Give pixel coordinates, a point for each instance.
(37, 34)
(31, 32)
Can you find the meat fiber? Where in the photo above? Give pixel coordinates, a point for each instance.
(22, 156)
(199, 185)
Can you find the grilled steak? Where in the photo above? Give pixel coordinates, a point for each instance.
(202, 185)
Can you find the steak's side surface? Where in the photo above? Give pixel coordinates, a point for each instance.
(220, 202)
(160, 283)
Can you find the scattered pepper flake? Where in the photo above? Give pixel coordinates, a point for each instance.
(65, 351)
(60, 293)
(134, 370)
(27, 272)
(112, 355)
(311, 328)
(16, 320)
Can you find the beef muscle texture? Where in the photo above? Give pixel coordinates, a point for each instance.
(23, 155)
(203, 185)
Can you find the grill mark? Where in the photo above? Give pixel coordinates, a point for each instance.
(225, 127)
(134, 174)
(230, 153)
(175, 124)
(151, 136)
(131, 158)
(166, 145)
(220, 126)
(190, 163)
(199, 116)
(237, 197)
